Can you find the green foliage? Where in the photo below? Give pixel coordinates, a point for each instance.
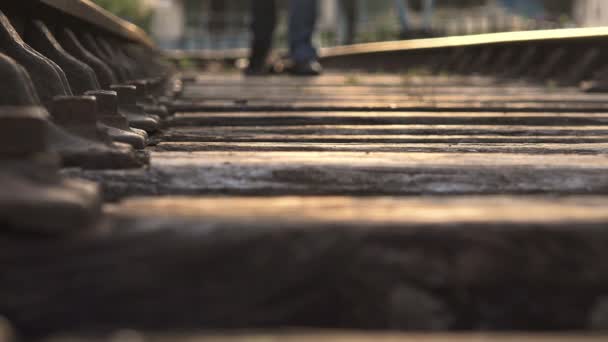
(186, 64)
(131, 10)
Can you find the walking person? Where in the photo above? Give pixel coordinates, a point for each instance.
(303, 57)
(407, 31)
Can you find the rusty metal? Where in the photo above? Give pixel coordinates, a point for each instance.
(526, 59)
(90, 13)
(89, 144)
(104, 73)
(80, 76)
(128, 106)
(89, 42)
(78, 115)
(34, 198)
(434, 263)
(116, 124)
(111, 53)
(21, 91)
(36, 201)
(146, 99)
(45, 73)
(22, 131)
(584, 66)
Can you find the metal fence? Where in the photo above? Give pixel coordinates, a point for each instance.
(212, 27)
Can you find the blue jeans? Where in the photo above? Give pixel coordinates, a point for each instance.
(302, 20)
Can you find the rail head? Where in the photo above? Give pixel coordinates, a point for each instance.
(502, 38)
(91, 13)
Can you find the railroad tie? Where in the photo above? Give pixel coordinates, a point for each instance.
(436, 185)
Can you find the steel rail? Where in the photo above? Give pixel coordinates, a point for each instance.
(564, 35)
(92, 14)
(522, 53)
(568, 56)
(502, 38)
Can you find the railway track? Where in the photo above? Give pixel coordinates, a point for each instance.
(453, 197)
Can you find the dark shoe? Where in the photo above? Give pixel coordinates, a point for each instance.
(258, 70)
(310, 68)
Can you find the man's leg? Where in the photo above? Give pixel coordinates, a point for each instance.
(350, 13)
(428, 9)
(404, 20)
(302, 20)
(264, 19)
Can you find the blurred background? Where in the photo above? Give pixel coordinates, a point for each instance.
(224, 24)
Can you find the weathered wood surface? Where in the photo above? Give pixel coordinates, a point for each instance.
(342, 79)
(246, 88)
(357, 173)
(366, 118)
(262, 217)
(391, 95)
(372, 153)
(393, 130)
(285, 105)
(409, 81)
(403, 138)
(294, 146)
(430, 263)
(318, 213)
(496, 129)
(129, 336)
(381, 92)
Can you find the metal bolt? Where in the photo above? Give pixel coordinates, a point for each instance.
(127, 94)
(77, 114)
(107, 101)
(23, 131)
(78, 110)
(142, 88)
